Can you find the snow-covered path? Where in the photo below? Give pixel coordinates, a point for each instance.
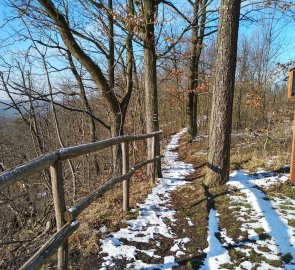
(271, 221)
(265, 221)
(258, 214)
(216, 253)
(274, 224)
(261, 214)
(154, 220)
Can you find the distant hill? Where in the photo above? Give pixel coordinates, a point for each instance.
(12, 113)
(7, 113)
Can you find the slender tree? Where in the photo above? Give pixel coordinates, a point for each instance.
(116, 106)
(150, 77)
(223, 92)
(198, 30)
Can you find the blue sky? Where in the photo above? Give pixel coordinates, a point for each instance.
(286, 28)
(286, 34)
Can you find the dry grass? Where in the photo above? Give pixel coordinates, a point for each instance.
(256, 150)
(192, 152)
(248, 151)
(107, 212)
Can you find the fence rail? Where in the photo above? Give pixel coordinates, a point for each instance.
(74, 211)
(48, 249)
(27, 169)
(40, 163)
(66, 222)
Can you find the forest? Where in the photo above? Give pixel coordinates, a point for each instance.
(191, 93)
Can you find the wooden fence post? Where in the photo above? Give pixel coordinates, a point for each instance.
(125, 169)
(60, 208)
(158, 164)
(154, 140)
(151, 154)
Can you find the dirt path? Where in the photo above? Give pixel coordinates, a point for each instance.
(251, 226)
(148, 242)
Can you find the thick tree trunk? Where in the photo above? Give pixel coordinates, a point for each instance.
(223, 90)
(150, 80)
(116, 122)
(117, 126)
(190, 116)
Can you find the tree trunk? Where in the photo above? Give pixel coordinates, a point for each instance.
(223, 90)
(239, 108)
(193, 74)
(118, 120)
(150, 81)
(86, 105)
(198, 31)
(111, 60)
(57, 127)
(116, 109)
(117, 130)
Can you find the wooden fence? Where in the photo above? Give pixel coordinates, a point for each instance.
(66, 222)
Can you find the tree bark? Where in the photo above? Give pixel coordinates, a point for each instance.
(150, 81)
(111, 60)
(193, 73)
(117, 126)
(223, 91)
(198, 30)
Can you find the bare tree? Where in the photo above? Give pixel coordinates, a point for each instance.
(149, 10)
(198, 31)
(223, 92)
(117, 106)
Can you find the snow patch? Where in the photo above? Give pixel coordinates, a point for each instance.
(266, 216)
(152, 218)
(216, 253)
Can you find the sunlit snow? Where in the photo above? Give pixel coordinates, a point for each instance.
(152, 220)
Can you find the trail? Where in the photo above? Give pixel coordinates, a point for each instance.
(264, 211)
(261, 213)
(140, 244)
(124, 247)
